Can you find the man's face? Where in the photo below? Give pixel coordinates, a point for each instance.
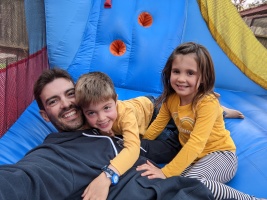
(58, 98)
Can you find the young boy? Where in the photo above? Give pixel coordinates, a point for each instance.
(96, 95)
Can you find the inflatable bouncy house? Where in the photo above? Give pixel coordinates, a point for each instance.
(131, 41)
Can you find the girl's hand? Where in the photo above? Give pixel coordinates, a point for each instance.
(151, 171)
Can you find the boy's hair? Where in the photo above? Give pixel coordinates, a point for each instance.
(205, 66)
(46, 77)
(94, 87)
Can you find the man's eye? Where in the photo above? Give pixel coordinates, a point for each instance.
(52, 102)
(71, 94)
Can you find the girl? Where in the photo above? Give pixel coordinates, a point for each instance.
(208, 151)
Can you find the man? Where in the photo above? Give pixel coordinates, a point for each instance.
(66, 162)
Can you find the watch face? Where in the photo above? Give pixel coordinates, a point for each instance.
(115, 178)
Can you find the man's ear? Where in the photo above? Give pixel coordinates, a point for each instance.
(44, 115)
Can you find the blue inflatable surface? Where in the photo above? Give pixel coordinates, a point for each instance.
(79, 40)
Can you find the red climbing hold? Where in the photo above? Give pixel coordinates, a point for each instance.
(107, 4)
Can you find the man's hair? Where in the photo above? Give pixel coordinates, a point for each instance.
(46, 77)
(94, 87)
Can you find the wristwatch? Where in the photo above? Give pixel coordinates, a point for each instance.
(111, 174)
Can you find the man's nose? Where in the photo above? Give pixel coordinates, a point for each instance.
(65, 102)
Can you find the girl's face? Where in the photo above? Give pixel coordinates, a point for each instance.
(185, 77)
(101, 115)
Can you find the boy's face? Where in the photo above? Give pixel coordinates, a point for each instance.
(101, 115)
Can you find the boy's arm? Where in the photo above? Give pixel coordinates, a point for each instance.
(127, 126)
(99, 187)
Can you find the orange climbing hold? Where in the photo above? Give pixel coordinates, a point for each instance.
(145, 19)
(117, 48)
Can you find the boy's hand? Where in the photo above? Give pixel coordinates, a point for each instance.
(151, 171)
(98, 189)
(109, 133)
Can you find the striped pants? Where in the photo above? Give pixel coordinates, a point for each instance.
(214, 170)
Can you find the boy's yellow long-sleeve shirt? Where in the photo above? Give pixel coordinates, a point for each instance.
(133, 118)
(200, 133)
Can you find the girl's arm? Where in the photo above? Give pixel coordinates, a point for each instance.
(206, 115)
(157, 126)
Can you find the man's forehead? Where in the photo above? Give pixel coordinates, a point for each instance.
(56, 88)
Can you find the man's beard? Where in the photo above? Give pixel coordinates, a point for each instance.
(62, 126)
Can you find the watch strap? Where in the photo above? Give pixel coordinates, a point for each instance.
(111, 175)
(108, 170)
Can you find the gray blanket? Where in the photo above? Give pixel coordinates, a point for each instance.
(65, 163)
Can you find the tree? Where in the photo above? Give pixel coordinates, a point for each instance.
(242, 4)
(257, 3)
(239, 4)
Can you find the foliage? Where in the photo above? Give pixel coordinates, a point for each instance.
(239, 4)
(243, 4)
